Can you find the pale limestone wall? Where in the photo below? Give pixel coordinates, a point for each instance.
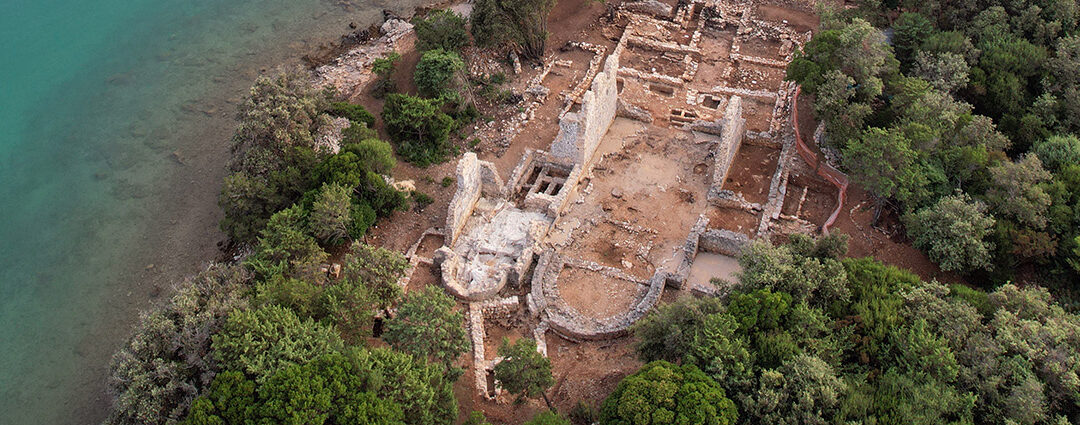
(734, 127)
(469, 186)
(490, 183)
(721, 241)
(580, 132)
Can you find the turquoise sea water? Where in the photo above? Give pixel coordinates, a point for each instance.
(114, 124)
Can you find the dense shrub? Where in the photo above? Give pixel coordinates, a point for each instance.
(267, 339)
(331, 214)
(512, 22)
(441, 29)
(548, 417)
(428, 327)
(352, 386)
(355, 113)
(384, 69)
(663, 393)
(979, 99)
(274, 148)
(437, 74)
(953, 232)
(898, 350)
(285, 248)
(418, 128)
(523, 371)
(167, 362)
(368, 282)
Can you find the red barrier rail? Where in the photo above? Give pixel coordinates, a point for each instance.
(823, 169)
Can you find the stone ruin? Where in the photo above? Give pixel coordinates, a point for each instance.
(699, 73)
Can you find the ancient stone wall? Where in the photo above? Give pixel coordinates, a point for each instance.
(580, 132)
(571, 324)
(734, 128)
(469, 187)
(721, 241)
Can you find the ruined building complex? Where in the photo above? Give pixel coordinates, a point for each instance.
(674, 144)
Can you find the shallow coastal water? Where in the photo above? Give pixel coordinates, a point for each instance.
(114, 125)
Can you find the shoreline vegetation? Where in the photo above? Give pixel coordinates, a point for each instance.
(308, 322)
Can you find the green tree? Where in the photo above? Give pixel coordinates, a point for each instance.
(418, 128)
(835, 104)
(953, 232)
(808, 269)
(383, 68)
(378, 269)
(855, 48)
(441, 29)
(231, 399)
(945, 71)
(354, 386)
(1016, 190)
(523, 370)
(427, 327)
(165, 364)
(548, 418)
(357, 114)
(1027, 323)
(1058, 152)
(518, 22)
(884, 162)
(262, 341)
(331, 215)
(332, 388)
(669, 331)
(663, 393)
(359, 166)
(281, 112)
(274, 150)
(805, 390)
(376, 154)
(286, 249)
(264, 184)
(437, 74)
(909, 31)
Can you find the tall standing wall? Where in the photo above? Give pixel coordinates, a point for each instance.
(580, 132)
(731, 137)
(469, 186)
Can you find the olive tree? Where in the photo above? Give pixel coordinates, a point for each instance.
(953, 233)
(166, 362)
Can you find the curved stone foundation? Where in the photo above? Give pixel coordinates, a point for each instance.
(568, 321)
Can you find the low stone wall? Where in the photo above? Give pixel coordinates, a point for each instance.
(567, 321)
(689, 252)
(722, 241)
(730, 199)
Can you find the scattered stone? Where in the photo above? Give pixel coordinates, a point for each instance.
(686, 196)
(516, 61)
(616, 193)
